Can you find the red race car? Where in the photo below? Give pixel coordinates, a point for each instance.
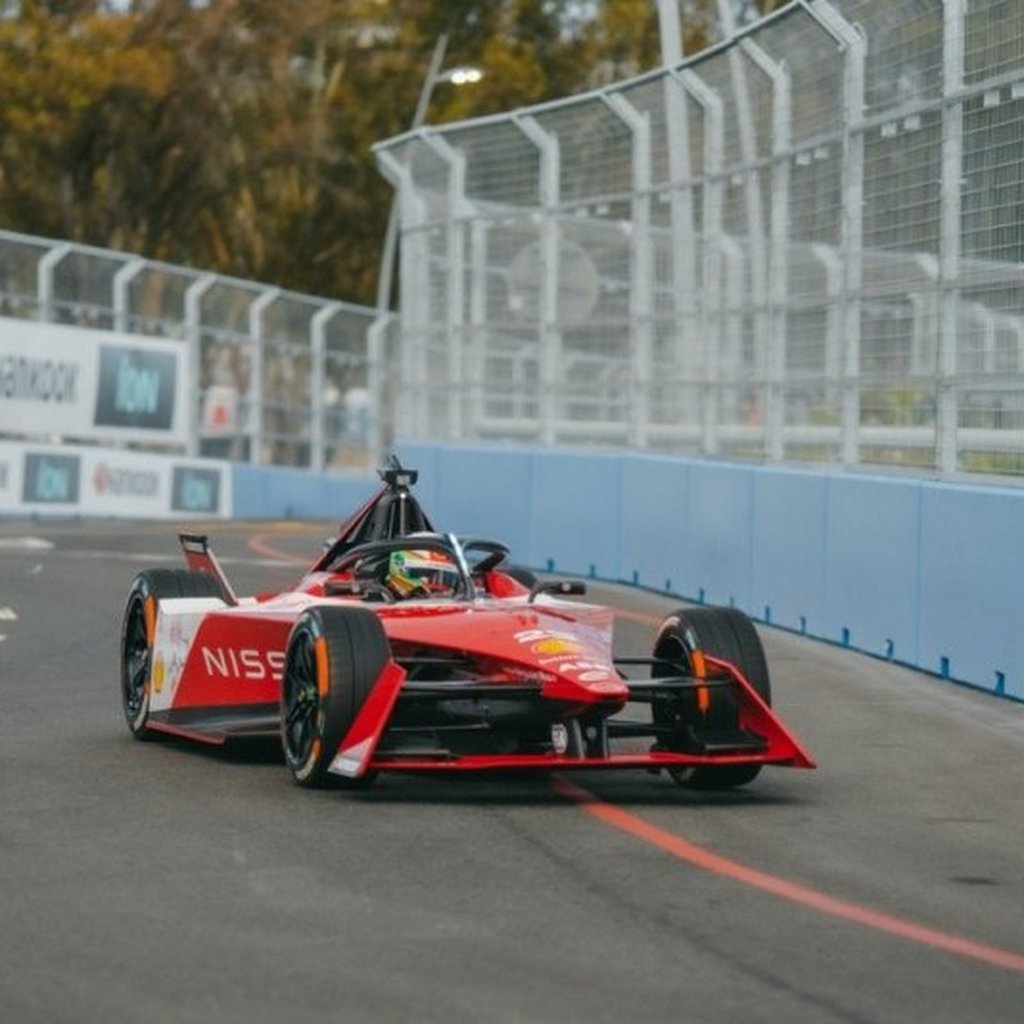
(403, 649)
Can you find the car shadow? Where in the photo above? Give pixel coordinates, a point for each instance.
(635, 788)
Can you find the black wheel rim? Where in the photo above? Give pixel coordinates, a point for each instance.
(300, 699)
(135, 667)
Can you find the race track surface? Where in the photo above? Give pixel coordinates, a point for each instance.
(165, 882)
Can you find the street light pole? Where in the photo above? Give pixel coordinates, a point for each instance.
(386, 277)
(670, 32)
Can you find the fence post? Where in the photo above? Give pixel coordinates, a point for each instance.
(259, 369)
(122, 279)
(44, 279)
(318, 380)
(854, 47)
(193, 333)
(641, 285)
(412, 414)
(947, 455)
(778, 247)
(756, 250)
(381, 433)
(711, 292)
(549, 335)
(476, 370)
(455, 302)
(684, 242)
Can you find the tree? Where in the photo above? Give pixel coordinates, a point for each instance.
(236, 135)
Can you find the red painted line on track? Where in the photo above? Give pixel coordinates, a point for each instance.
(644, 617)
(821, 902)
(262, 546)
(686, 851)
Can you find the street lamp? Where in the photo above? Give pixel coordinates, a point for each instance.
(461, 75)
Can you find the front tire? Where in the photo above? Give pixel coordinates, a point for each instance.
(333, 658)
(148, 589)
(726, 634)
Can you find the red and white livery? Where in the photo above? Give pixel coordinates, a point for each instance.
(406, 649)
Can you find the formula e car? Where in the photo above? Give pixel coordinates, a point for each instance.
(404, 649)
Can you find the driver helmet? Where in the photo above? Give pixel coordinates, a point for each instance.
(422, 574)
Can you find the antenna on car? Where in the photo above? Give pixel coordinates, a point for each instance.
(396, 476)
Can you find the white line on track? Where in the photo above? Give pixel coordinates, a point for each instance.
(8, 614)
(25, 544)
(176, 559)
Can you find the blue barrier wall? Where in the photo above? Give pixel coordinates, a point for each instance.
(925, 573)
(261, 492)
(928, 574)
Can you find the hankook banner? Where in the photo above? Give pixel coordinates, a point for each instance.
(73, 382)
(91, 481)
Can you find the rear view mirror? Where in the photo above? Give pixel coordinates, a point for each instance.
(561, 588)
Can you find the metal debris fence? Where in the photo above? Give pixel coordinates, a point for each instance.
(278, 378)
(804, 245)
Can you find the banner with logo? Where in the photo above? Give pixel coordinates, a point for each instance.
(11, 458)
(40, 479)
(73, 382)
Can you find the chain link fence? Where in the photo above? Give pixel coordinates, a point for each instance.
(804, 245)
(277, 378)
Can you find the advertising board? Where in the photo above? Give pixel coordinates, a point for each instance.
(94, 481)
(72, 382)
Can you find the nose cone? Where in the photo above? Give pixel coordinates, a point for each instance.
(585, 682)
(575, 657)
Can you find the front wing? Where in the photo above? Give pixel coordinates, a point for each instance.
(761, 739)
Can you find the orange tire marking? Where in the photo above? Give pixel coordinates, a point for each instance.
(149, 609)
(323, 678)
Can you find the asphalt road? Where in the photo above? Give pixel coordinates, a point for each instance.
(165, 882)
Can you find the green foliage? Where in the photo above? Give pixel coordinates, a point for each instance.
(236, 135)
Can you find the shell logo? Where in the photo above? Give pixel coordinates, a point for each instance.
(555, 645)
(158, 673)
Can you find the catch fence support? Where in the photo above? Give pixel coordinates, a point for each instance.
(318, 381)
(44, 278)
(193, 334)
(853, 46)
(257, 333)
(950, 202)
(454, 312)
(550, 357)
(122, 280)
(711, 293)
(641, 290)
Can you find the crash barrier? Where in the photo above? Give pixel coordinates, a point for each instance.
(802, 245)
(920, 572)
(281, 493)
(40, 480)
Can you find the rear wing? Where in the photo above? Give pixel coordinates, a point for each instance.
(199, 558)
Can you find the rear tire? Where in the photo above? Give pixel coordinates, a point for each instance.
(727, 634)
(148, 589)
(321, 697)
